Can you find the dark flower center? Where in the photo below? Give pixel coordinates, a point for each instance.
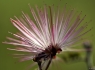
(49, 52)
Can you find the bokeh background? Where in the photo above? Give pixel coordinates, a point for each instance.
(10, 8)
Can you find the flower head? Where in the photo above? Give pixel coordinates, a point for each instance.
(48, 33)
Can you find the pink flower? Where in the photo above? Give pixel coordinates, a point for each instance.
(48, 33)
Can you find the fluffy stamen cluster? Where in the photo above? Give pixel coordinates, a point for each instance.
(48, 27)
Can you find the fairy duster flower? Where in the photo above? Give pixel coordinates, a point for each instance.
(48, 33)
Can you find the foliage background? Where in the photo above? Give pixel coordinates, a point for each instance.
(9, 8)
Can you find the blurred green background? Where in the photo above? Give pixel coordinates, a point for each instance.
(10, 8)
